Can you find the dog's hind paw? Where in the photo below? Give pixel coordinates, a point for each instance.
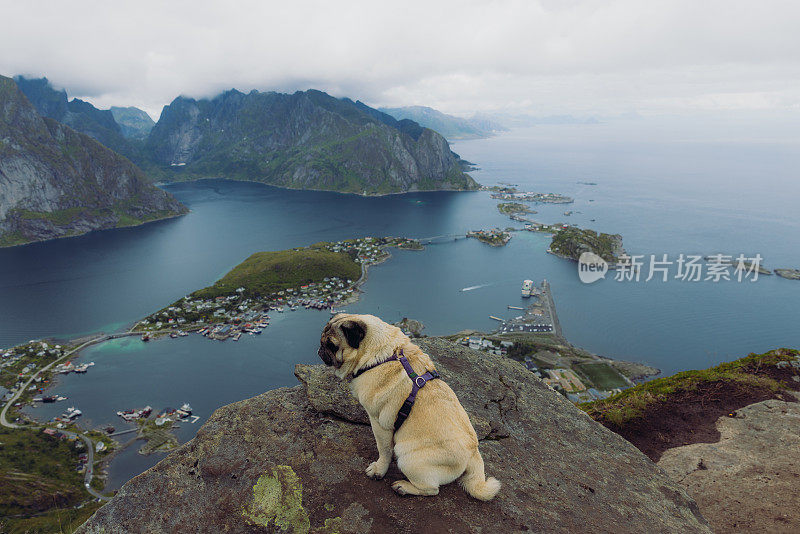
(376, 471)
(401, 487)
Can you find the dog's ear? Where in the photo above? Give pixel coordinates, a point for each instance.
(354, 332)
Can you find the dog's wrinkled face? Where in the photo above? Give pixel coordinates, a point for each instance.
(340, 337)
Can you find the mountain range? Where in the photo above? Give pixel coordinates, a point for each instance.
(305, 140)
(58, 182)
(449, 126)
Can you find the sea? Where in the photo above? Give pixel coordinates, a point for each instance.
(667, 186)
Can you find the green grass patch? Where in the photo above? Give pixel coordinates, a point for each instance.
(748, 373)
(37, 473)
(57, 217)
(57, 520)
(602, 375)
(511, 208)
(265, 273)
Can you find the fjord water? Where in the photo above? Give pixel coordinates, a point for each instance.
(665, 188)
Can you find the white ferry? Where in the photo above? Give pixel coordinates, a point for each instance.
(527, 285)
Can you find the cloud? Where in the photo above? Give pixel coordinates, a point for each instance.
(559, 56)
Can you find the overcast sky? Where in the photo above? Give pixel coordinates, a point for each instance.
(543, 57)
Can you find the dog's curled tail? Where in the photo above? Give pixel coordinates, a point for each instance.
(474, 480)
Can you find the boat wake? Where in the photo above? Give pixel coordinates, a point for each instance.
(470, 288)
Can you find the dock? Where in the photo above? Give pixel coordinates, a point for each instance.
(495, 318)
(122, 432)
(515, 308)
(547, 298)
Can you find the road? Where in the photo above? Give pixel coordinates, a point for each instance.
(93, 341)
(87, 479)
(24, 388)
(87, 476)
(551, 308)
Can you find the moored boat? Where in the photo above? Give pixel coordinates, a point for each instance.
(527, 285)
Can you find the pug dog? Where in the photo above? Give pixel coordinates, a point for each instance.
(436, 444)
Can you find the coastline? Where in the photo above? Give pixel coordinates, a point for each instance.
(165, 218)
(369, 195)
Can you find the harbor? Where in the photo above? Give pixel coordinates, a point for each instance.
(540, 316)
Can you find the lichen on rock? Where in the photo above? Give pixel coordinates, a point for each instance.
(278, 500)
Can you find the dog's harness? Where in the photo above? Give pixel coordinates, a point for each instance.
(417, 382)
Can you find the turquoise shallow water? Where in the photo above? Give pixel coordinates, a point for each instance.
(664, 192)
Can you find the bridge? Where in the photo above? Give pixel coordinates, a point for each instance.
(439, 239)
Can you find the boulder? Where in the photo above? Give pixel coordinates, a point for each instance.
(747, 481)
(293, 460)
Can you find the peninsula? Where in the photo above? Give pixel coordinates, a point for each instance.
(322, 276)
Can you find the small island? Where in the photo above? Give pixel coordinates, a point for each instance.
(743, 265)
(513, 208)
(494, 237)
(529, 196)
(570, 242)
(790, 274)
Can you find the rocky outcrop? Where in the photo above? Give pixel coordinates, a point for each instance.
(571, 242)
(293, 460)
(747, 481)
(56, 182)
(306, 140)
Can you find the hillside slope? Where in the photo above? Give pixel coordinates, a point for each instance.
(306, 140)
(56, 182)
(728, 434)
(293, 459)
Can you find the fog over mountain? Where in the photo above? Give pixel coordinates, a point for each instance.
(542, 57)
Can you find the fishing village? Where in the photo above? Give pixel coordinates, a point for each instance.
(228, 313)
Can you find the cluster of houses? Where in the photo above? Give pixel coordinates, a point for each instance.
(567, 383)
(83, 458)
(371, 249)
(21, 361)
(495, 237)
(546, 228)
(785, 364)
(226, 316)
(487, 345)
(529, 196)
